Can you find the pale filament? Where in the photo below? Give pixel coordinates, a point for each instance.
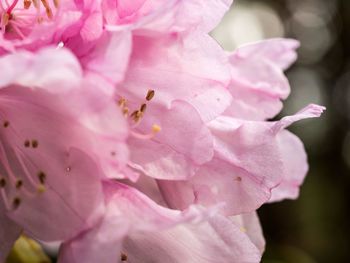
(4, 198)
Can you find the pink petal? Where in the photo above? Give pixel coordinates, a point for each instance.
(217, 240)
(250, 224)
(142, 213)
(280, 51)
(310, 111)
(128, 211)
(73, 192)
(93, 27)
(183, 142)
(251, 104)
(296, 167)
(258, 82)
(217, 182)
(194, 69)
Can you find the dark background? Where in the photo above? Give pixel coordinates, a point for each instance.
(315, 227)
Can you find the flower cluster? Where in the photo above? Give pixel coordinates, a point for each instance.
(128, 134)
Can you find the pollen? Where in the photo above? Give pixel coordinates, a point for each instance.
(239, 179)
(150, 95)
(41, 188)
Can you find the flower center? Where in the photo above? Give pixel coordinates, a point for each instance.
(18, 19)
(136, 116)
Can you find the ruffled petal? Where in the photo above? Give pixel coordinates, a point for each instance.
(251, 158)
(295, 166)
(258, 82)
(182, 144)
(250, 224)
(216, 240)
(279, 51)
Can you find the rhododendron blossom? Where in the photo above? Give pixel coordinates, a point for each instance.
(128, 134)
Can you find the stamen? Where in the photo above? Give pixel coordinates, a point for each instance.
(27, 4)
(143, 108)
(133, 114)
(19, 183)
(123, 257)
(239, 179)
(41, 188)
(122, 102)
(6, 124)
(155, 129)
(126, 111)
(5, 19)
(2, 182)
(243, 229)
(36, 3)
(16, 202)
(41, 177)
(56, 3)
(47, 9)
(35, 143)
(150, 95)
(26, 143)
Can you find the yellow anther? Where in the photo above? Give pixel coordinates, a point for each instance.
(41, 188)
(40, 20)
(5, 19)
(156, 128)
(243, 229)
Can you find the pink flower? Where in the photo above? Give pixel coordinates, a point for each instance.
(51, 147)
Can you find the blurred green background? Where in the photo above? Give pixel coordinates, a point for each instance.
(314, 228)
